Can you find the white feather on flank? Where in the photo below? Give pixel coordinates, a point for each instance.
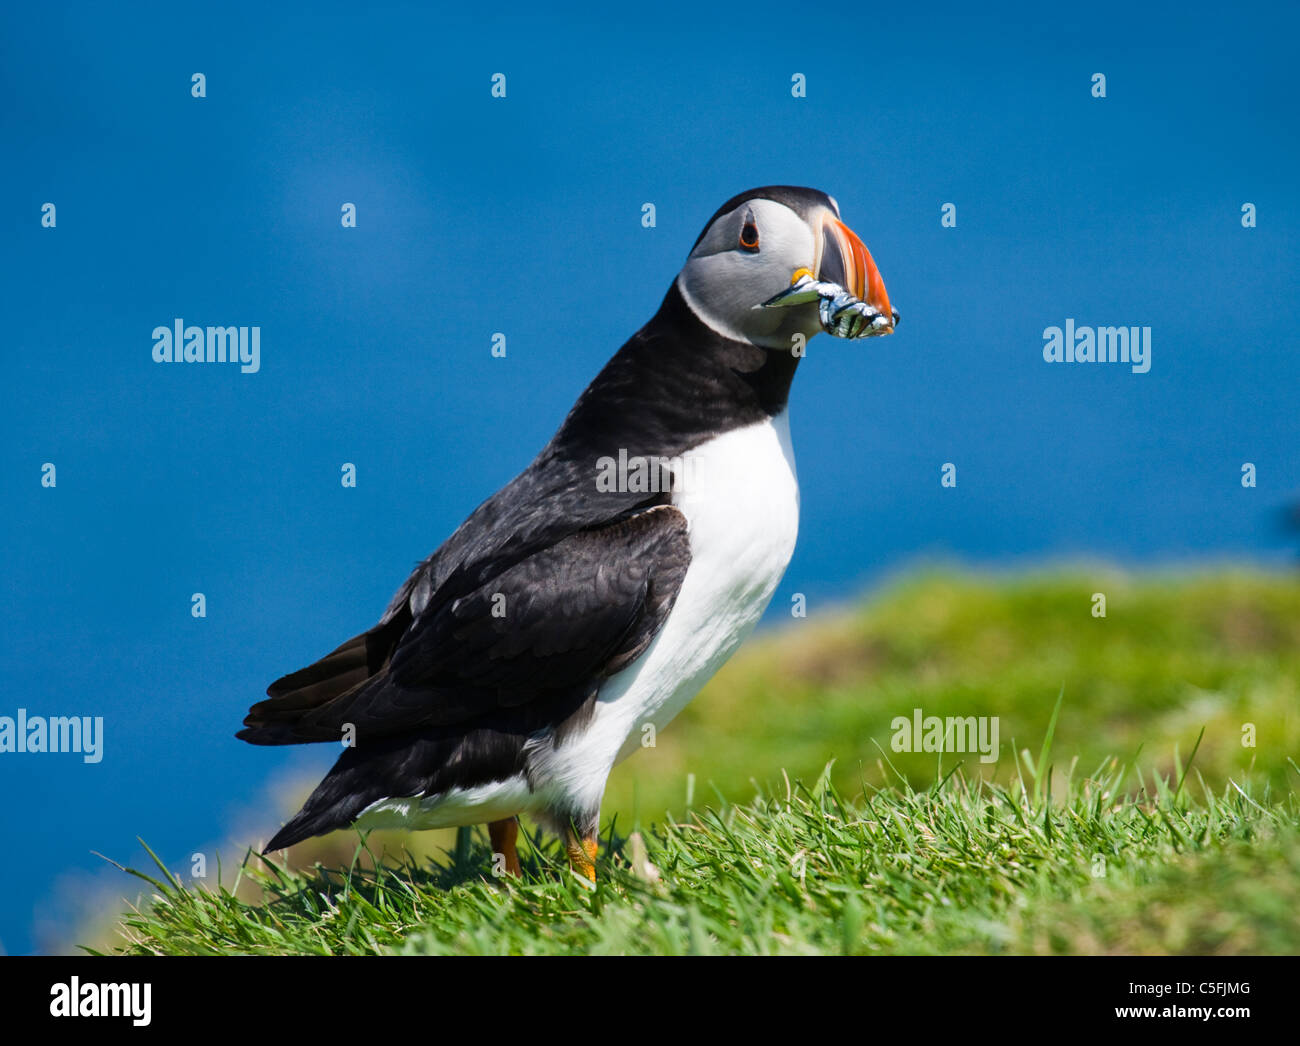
(741, 503)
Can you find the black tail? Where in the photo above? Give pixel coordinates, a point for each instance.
(294, 701)
(353, 784)
(393, 767)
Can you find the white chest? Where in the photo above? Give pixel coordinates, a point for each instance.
(740, 496)
(741, 501)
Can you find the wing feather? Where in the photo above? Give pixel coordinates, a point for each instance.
(546, 628)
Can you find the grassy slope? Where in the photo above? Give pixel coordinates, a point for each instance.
(980, 862)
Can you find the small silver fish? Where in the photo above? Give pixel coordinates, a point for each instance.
(840, 313)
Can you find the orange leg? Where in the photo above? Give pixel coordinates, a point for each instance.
(503, 835)
(582, 854)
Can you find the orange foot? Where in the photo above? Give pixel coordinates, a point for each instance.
(503, 835)
(582, 854)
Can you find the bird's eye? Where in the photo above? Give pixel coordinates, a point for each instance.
(749, 235)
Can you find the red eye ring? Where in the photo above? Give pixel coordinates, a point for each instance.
(749, 236)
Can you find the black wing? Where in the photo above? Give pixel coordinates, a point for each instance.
(543, 632)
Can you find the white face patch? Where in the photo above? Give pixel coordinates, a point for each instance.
(725, 284)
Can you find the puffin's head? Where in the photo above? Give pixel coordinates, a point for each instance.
(777, 261)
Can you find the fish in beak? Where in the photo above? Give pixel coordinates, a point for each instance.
(850, 294)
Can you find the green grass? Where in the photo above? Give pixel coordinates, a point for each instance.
(965, 866)
(1174, 653)
(1141, 823)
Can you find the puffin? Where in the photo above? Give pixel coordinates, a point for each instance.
(594, 595)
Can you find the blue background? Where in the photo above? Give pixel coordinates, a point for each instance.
(522, 215)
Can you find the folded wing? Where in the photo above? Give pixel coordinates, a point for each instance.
(543, 632)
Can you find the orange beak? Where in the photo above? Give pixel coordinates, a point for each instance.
(845, 260)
